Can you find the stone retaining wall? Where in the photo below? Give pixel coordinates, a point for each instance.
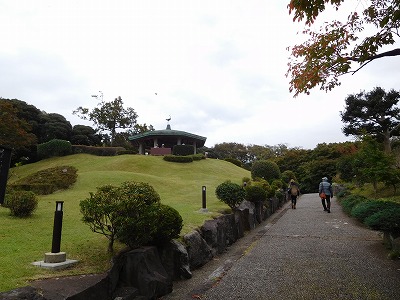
(149, 272)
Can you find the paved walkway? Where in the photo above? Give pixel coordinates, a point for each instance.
(304, 253)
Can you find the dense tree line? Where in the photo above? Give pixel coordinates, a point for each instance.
(372, 117)
(23, 126)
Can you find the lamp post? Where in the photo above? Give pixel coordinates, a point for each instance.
(204, 198)
(58, 216)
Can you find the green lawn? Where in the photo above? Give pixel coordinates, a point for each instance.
(24, 241)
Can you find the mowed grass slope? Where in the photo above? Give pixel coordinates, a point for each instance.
(23, 241)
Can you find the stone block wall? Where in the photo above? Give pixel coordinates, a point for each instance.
(149, 272)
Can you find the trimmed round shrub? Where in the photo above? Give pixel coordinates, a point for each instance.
(265, 169)
(350, 201)
(178, 158)
(230, 193)
(169, 225)
(367, 208)
(385, 220)
(141, 189)
(183, 150)
(277, 184)
(255, 193)
(22, 203)
(136, 216)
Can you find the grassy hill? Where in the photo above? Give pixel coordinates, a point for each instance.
(179, 185)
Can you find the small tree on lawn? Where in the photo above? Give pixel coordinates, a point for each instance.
(230, 193)
(131, 213)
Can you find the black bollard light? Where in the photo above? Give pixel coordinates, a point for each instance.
(203, 189)
(58, 217)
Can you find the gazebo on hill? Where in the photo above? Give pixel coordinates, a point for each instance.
(161, 142)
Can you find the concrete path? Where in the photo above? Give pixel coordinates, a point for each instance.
(303, 253)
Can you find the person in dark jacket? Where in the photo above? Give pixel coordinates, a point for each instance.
(293, 192)
(325, 193)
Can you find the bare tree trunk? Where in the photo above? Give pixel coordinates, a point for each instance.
(386, 142)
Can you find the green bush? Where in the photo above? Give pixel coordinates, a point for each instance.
(169, 225)
(265, 169)
(21, 203)
(277, 184)
(99, 151)
(367, 208)
(350, 201)
(198, 156)
(342, 194)
(234, 161)
(123, 152)
(47, 181)
(255, 192)
(387, 220)
(54, 147)
(183, 150)
(179, 159)
(129, 213)
(230, 193)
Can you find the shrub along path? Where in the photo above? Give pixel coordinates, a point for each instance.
(304, 253)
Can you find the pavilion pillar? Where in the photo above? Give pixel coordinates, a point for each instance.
(141, 148)
(179, 141)
(155, 143)
(194, 147)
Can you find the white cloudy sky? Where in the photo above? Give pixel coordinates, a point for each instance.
(218, 66)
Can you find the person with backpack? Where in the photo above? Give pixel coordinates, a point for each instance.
(325, 193)
(293, 192)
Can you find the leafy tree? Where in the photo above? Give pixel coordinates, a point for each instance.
(14, 132)
(311, 172)
(141, 128)
(330, 51)
(265, 169)
(231, 150)
(109, 116)
(372, 165)
(128, 212)
(85, 135)
(374, 113)
(30, 114)
(293, 159)
(55, 126)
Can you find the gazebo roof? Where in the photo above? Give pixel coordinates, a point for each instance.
(168, 132)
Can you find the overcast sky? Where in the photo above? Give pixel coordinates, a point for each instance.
(217, 67)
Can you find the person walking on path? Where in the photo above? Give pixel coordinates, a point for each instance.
(325, 193)
(294, 192)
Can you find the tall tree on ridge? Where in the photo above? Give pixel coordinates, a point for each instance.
(109, 116)
(374, 113)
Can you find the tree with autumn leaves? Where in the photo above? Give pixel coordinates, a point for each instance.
(14, 131)
(337, 48)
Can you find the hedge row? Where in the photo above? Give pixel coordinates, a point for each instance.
(99, 151)
(382, 215)
(183, 159)
(47, 181)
